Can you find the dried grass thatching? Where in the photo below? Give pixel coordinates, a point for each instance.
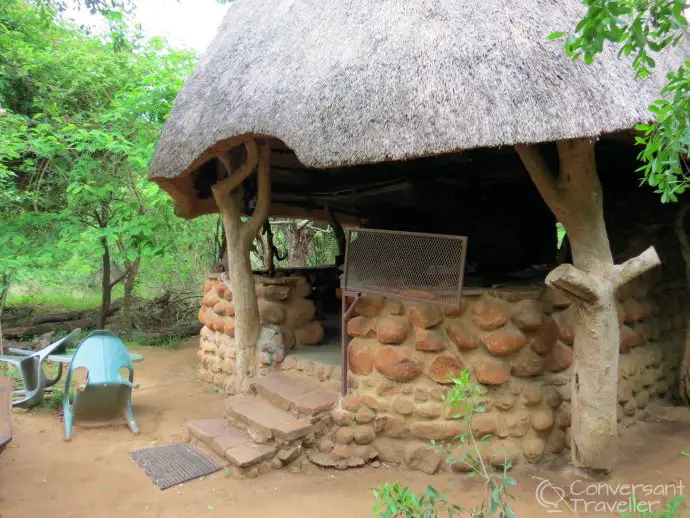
(357, 81)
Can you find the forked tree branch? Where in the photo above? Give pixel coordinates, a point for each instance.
(263, 200)
(540, 172)
(636, 266)
(222, 189)
(575, 284)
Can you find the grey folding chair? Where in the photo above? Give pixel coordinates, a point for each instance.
(30, 365)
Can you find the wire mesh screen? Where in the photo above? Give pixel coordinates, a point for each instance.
(408, 265)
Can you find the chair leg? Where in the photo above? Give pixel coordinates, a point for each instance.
(68, 417)
(48, 382)
(129, 415)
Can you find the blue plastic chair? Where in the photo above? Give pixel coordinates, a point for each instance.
(30, 365)
(105, 395)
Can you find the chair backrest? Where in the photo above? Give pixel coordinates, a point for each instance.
(103, 354)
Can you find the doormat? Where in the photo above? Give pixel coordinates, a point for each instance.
(173, 464)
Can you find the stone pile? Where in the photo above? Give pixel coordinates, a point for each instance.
(287, 322)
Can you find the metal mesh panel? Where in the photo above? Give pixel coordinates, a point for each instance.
(408, 265)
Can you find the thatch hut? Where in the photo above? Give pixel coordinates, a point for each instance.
(447, 117)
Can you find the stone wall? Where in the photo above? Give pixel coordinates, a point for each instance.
(287, 319)
(517, 343)
(329, 376)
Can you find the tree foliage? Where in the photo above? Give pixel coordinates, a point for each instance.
(641, 29)
(80, 115)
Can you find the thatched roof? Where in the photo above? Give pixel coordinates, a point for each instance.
(361, 81)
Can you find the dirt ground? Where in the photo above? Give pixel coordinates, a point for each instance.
(93, 475)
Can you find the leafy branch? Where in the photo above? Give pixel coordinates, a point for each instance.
(642, 29)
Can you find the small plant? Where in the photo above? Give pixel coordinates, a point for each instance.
(396, 501)
(54, 399)
(465, 400)
(672, 510)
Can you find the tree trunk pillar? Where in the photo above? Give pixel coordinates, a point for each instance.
(239, 236)
(575, 197)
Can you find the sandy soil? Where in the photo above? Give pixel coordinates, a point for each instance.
(41, 475)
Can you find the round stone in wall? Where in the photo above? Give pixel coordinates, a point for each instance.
(504, 342)
(545, 338)
(527, 364)
(542, 420)
(391, 330)
(533, 449)
(369, 305)
(424, 315)
(397, 364)
(360, 357)
(444, 368)
(528, 315)
(461, 336)
(491, 372)
(560, 358)
(489, 314)
(429, 340)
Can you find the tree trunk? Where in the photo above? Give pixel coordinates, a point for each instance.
(299, 237)
(339, 236)
(132, 270)
(239, 236)
(681, 234)
(106, 286)
(4, 290)
(575, 197)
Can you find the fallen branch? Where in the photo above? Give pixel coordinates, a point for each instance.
(39, 329)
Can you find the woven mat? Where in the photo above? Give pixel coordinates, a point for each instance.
(173, 464)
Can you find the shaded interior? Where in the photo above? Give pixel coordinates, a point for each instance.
(484, 194)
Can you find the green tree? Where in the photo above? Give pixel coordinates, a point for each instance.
(642, 29)
(80, 116)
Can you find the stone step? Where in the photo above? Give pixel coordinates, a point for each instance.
(230, 443)
(264, 421)
(293, 395)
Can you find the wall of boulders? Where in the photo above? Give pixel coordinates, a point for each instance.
(517, 342)
(287, 319)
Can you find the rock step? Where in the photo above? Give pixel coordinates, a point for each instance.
(293, 395)
(230, 443)
(262, 419)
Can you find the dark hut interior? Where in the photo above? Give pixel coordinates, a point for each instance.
(485, 194)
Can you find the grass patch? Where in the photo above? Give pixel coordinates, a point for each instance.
(136, 338)
(53, 396)
(60, 300)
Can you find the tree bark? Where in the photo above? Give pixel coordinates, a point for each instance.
(575, 197)
(132, 271)
(299, 237)
(4, 290)
(102, 218)
(339, 236)
(239, 236)
(681, 234)
(106, 286)
(269, 263)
